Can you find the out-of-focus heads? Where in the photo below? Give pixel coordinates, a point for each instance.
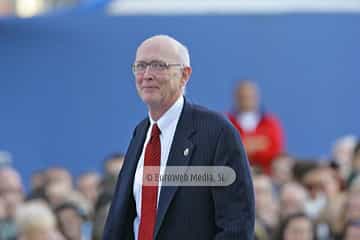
(299, 227)
(281, 169)
(293, 197)
(35, 221)
(355, 160)
(58, 174)
(88, 185)
(342, 152)
(113, 164)
(11, 190)
(266, 205)
(57, 193)
(70, 219)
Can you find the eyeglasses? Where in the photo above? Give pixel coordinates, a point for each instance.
(156, 66)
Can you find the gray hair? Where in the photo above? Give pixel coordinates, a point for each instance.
(34, 216)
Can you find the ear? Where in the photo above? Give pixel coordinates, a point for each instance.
(186, 73)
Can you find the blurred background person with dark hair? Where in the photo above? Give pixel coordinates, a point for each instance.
(70, 221)
(296, 227)
(113, 164)
(100, 213)
(37, 185)
(355, 164)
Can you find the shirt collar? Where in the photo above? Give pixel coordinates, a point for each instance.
(170, 115)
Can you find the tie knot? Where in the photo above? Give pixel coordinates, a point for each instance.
(155, 131)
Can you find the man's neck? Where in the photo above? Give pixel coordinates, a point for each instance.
(156, 112)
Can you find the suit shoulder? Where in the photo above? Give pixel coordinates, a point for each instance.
(203, 115)
(143, 123)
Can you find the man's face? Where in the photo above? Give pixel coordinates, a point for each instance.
(159, 88)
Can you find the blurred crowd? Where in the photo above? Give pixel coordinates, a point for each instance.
(310, 199)
(57, 206)
(295, 199)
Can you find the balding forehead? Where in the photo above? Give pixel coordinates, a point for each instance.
(158, 45)
(166, 45)
(161, 41)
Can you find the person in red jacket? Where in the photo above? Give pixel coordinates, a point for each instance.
(260, 131)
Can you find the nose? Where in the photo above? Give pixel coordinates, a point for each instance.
(147, 74)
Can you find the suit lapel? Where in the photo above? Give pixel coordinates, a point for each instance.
(177, 157)
(134, 154)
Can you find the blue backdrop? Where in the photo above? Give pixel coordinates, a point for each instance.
(67, 94)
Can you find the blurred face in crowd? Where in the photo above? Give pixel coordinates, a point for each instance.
(322, 180)
(160, 86)
(88, 184)
(352, 233)
(266, 206)
(57, 192)
(70, 223)
(292, 199)
(246, 97)
(11, 190)
(342, 152)
(330, 181)
(58, 174)
(282, 169)
(36, 221)
(353, 206)
(263, 191)
(300, 228)
(356, 161)
(113, 166)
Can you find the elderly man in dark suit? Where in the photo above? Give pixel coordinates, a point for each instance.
(178, 133)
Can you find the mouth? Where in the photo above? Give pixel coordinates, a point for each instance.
(150, 88)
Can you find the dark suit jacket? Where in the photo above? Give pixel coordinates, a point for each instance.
(191, 213)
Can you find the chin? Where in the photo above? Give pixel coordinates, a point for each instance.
(150, 99)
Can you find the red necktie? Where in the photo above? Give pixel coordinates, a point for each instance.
(149, 193)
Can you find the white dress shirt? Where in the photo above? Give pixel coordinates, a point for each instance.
(167, 125)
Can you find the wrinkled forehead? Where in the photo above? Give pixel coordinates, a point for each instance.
(157, 49)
